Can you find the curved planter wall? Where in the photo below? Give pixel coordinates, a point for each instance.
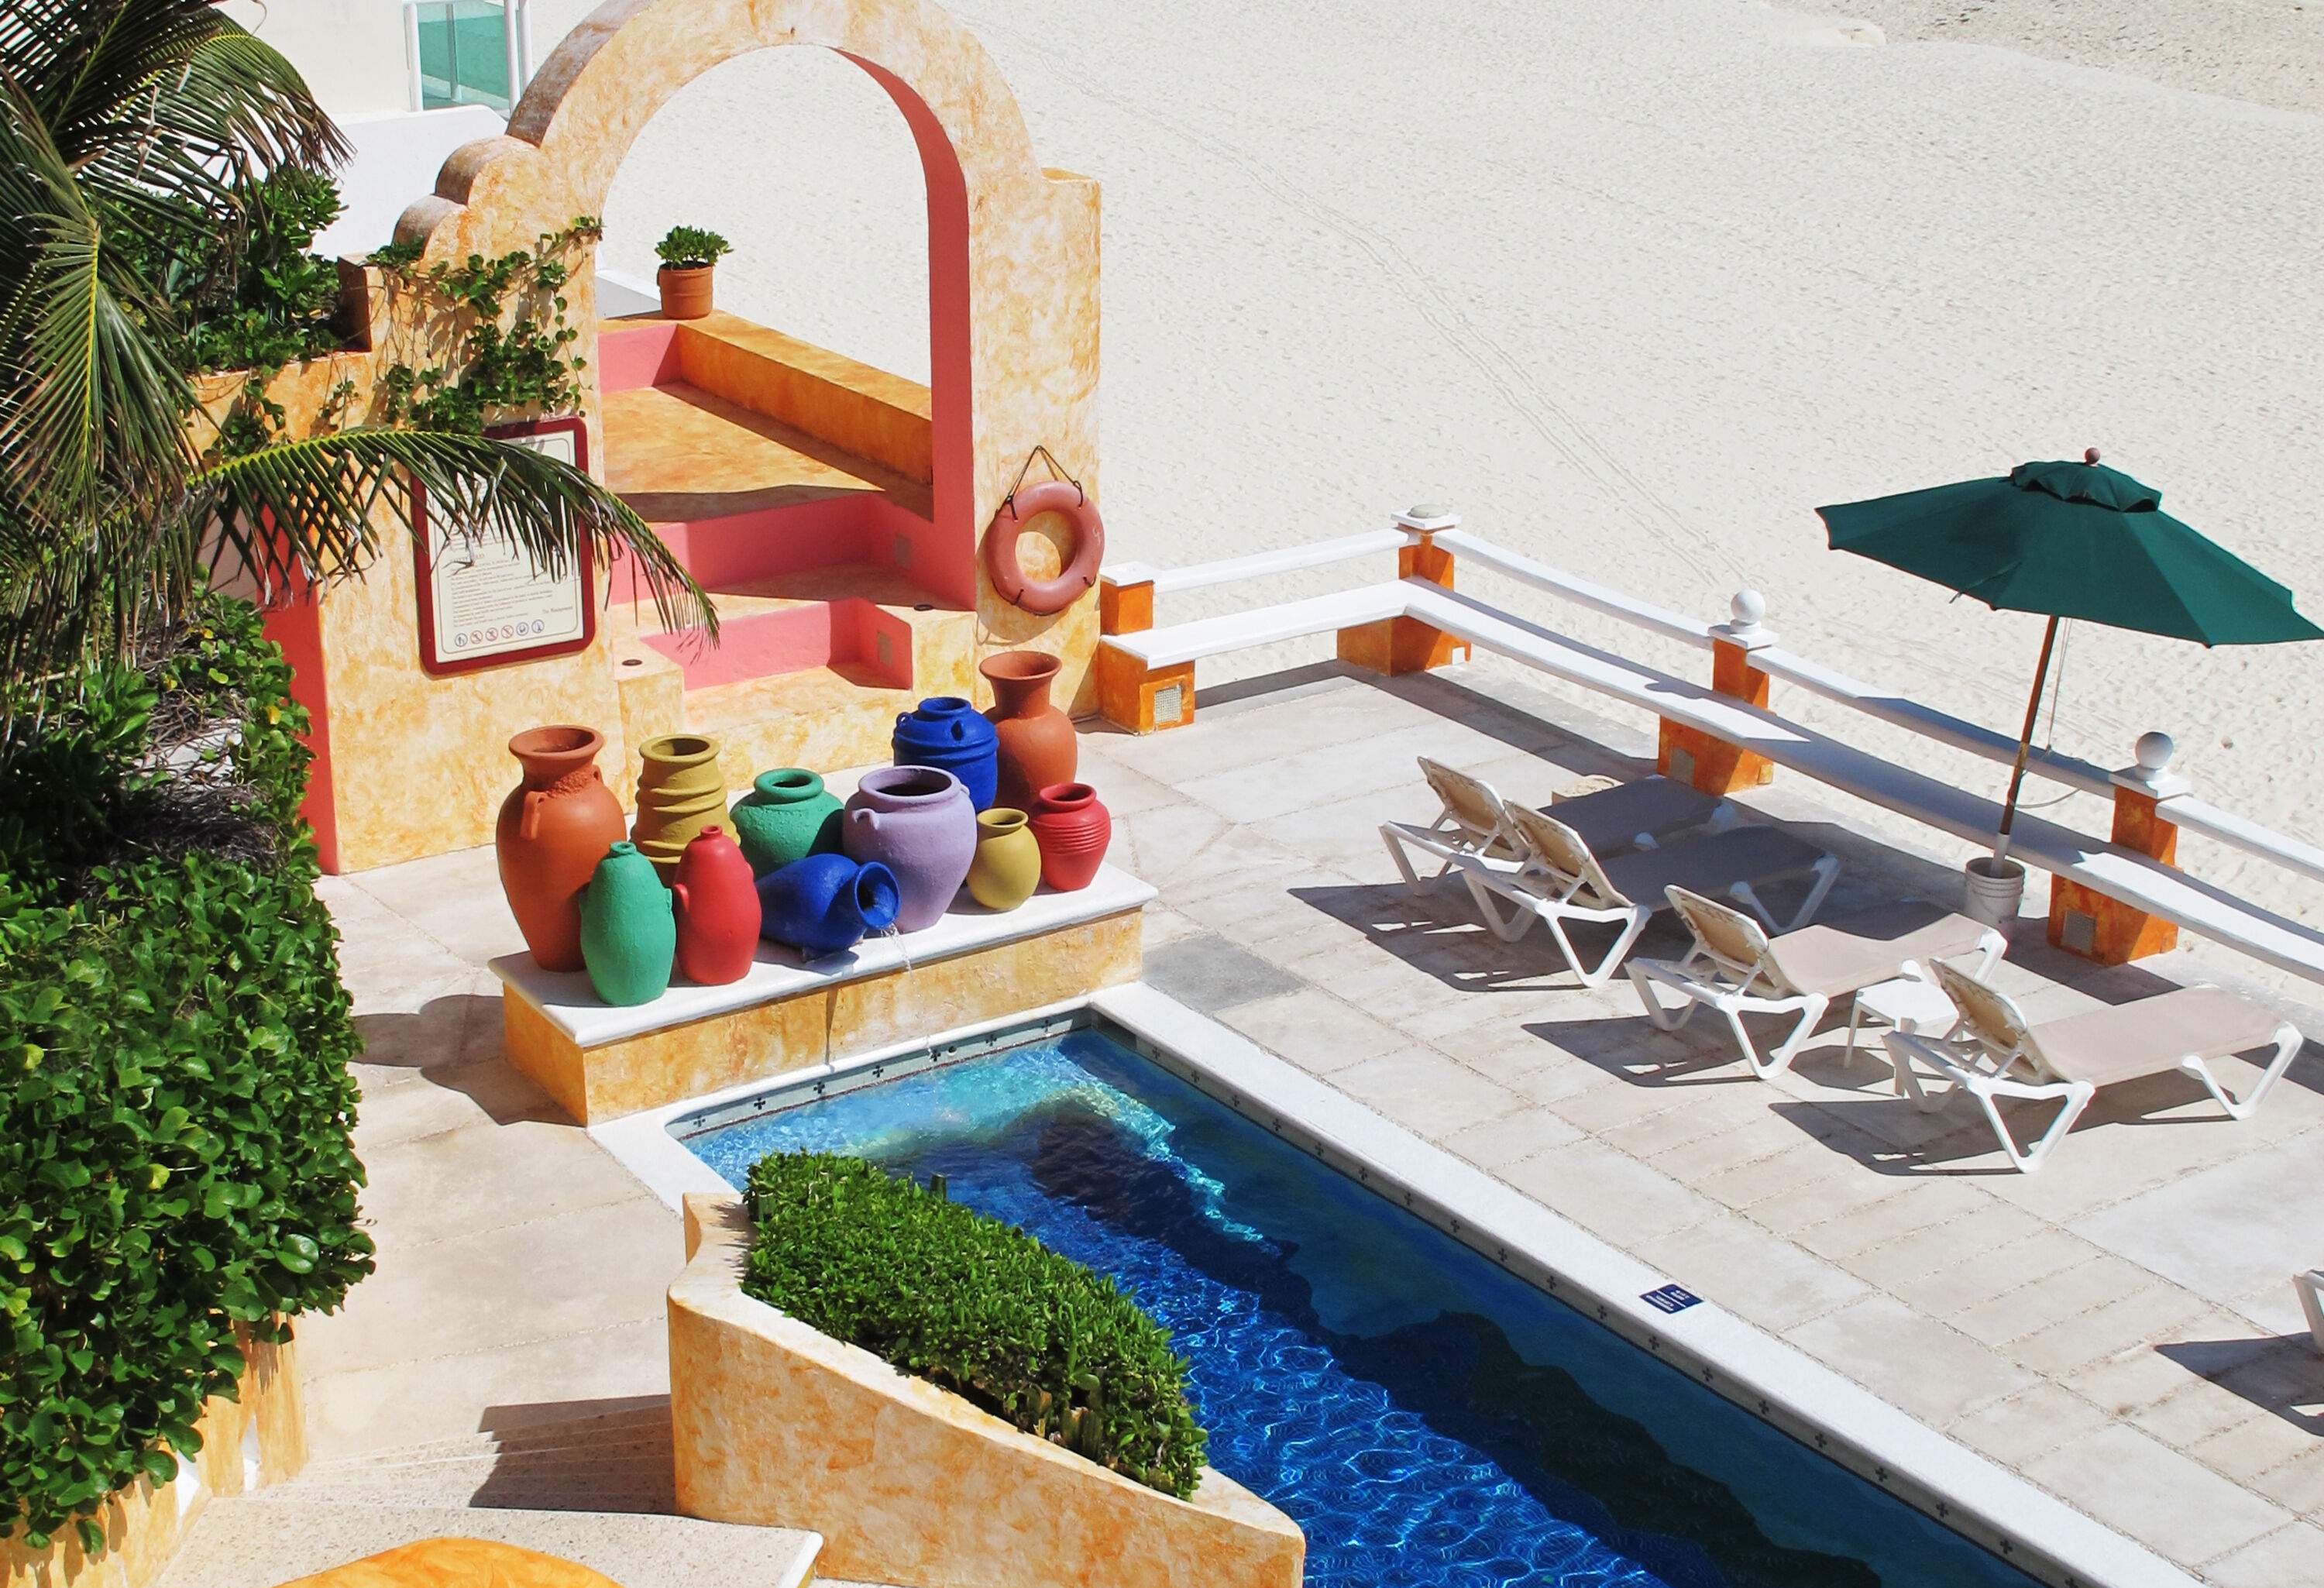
(778, 1425)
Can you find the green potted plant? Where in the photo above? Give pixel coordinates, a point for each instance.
(689, 254)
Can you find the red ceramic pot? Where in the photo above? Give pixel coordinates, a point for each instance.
(554, 828)
(1036, 745)
(1073, 830)
(717, 902)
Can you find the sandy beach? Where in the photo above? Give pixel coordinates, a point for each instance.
(1638, 286)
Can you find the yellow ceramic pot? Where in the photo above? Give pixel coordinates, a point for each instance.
(1008, 863)
(680, 791)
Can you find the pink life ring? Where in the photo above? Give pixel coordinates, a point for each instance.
(1044, 596)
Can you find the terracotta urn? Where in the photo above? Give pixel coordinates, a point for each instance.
(628, 935)
(1073, 830)
(1036, 745)
(553, 829)
(918, 822)
(1008, 863)
(685, 293)
(680, 791)
(717, 900)
(787, 815)
(947, 732)
(825, 904)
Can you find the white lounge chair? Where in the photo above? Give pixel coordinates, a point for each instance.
(1474, 820)
(1995, 1052)
(1560, 879)
(1736, 968)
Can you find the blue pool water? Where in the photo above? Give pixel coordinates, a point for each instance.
(1429, 1419)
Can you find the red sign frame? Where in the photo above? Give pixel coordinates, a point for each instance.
(431, 661)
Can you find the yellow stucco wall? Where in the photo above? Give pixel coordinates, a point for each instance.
(815, 1027)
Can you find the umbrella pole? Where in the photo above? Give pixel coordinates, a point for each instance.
(2026, 741)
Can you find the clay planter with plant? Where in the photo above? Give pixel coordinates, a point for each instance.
(688, 254)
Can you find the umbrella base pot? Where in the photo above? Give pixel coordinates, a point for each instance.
(1992, 890)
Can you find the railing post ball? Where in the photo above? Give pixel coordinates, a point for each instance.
(1429, 510)
(2154, 752)
(1748, 609)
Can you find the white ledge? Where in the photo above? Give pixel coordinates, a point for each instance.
(567, 1000)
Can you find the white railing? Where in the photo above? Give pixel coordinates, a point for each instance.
(1930, 723)
(2140, 882)
(1572, 587)
(1259, 564)
(2194, 816)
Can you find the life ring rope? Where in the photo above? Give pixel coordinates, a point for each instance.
(1019, 507)
(1057, 472)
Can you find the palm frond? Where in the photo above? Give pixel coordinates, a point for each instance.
(91, 407)
(205, 122)
(106, 77)
(300, 513)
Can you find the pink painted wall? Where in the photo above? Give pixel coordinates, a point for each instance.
(638, 353)
(770, 643)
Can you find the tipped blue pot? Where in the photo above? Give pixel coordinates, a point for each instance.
(826, 903)
(947, 732)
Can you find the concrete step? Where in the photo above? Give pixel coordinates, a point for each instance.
(620, 1462)
(260, 1540)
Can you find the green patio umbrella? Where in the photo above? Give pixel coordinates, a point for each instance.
(2069, 539)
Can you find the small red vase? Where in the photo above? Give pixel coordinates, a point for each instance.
(1073, 830)
(717, 904)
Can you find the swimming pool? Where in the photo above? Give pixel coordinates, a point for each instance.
(1425, 1416)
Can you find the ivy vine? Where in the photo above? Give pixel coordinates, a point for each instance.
(506, 365)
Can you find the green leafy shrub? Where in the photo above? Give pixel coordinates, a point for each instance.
(976, 1305)
(175, 1105)
(254, 299)
(691, 248)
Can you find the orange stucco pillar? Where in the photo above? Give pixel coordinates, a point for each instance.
(1406, 644)
(1129, 694)
(2087, 922)
(1141, 698)
(1125, 609)
(1710, 764)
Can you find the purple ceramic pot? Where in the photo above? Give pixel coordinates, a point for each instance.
(918, 822)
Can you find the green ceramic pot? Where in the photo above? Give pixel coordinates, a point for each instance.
(787, 815)
(1008, 863)
(629, 933)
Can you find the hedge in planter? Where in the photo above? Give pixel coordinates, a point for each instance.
(174, 1100)
(976, 1305)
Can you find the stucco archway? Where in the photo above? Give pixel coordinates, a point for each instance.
(1013, 249)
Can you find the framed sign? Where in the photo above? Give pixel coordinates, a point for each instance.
(482, 601)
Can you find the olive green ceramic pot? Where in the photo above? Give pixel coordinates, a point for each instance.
(1008, 863)
(680, 791)
(629, 931)
(787, 815)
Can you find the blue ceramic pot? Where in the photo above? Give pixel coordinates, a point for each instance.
(825, 903)
(947, 732)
